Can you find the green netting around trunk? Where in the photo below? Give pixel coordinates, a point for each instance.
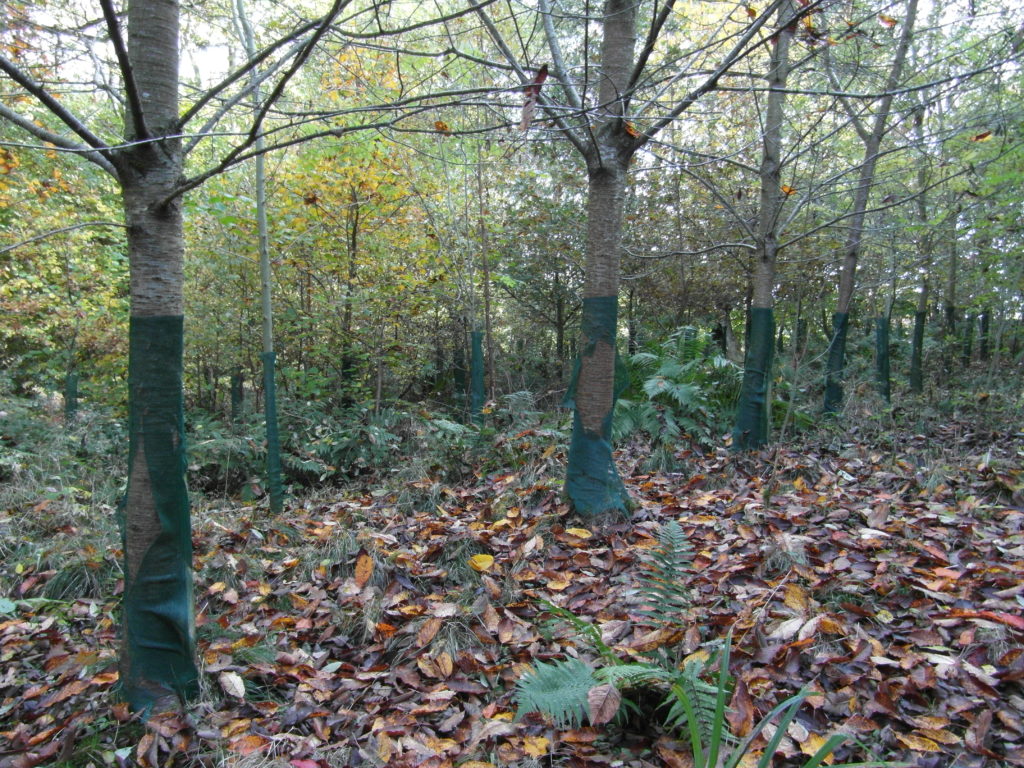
(275, 488)
(158, 658)
(916, 353)
(882, 375)
(836, 362)
(237, 394)
(592, 482)
(753, 415)
(476, 395)
(70, 397)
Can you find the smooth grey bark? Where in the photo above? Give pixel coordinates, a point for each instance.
(275, 486)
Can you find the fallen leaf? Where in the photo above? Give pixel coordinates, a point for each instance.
(603, 702)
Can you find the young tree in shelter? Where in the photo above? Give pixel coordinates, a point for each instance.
(157, 658)
(609, 101)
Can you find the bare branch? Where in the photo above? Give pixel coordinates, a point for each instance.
(738, 51)
(48, 101)
(545, 103)
(100, 158)
(127, 75)
(62, 230)
(557, 59)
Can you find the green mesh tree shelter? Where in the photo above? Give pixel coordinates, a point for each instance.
(753, 413)
(70, 397)
(275, 487)
(157, 661)
(916, 353)
(476, 395)
(237, 394)
(592, 482)
(836, 362)
(882, 374)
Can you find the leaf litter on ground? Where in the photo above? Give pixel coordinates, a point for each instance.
(361, 630)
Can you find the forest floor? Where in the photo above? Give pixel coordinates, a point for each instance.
(390, 627)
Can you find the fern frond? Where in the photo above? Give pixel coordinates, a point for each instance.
(693, 702)
(630, 675)
(584, 628)
(558, 690)
(663, 588)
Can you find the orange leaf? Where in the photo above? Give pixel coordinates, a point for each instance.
(982, 136)
(631, 130)
(788, 190)
(428, 630)
(751, 12)
(364, 569)
(246, 745)
(886, 21)
(442, 127)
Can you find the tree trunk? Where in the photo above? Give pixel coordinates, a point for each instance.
(275, 486)
(882, 370)
(753, 412)
(917, 345)
(872, 145)
(157, 664)
(592, 483)
(984, 350)
(592, 480)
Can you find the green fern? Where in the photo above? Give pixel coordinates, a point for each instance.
(663, 588)
(558, 690)
(693, 703)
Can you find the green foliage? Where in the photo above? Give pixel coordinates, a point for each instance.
(679, 391)
(663, 586)
(559, 690)
(70, 466)
(694, 699)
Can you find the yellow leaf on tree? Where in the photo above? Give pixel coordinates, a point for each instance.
(481, 563)
(886, 21)
(788, 190)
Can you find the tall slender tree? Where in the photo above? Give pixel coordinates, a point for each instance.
(608, 109)
(872, 140)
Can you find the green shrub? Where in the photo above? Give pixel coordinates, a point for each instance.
(679, 391)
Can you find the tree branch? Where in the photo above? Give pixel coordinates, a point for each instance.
(48, 101)
(738, 51)
(100, 158)
(545, 103)
(557, 59)
(62, 230)
(127, 75)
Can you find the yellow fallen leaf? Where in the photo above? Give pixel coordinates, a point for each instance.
(481, 563)
(579, 533)
(812, 744)
(918, 743)
(796, 598)
(535, 746)
(559, 584)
